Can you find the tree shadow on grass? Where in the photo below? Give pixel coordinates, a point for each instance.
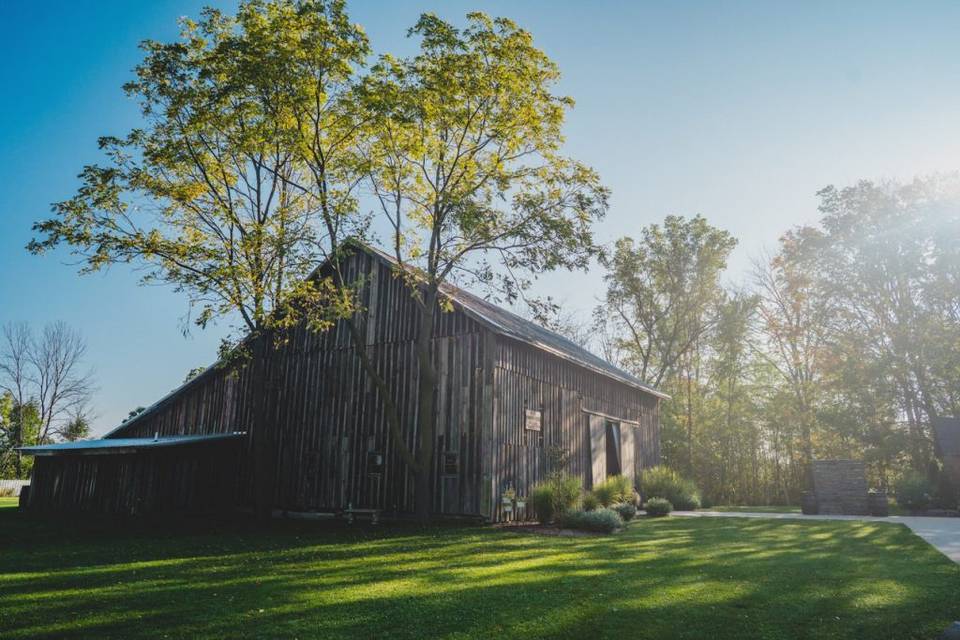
(672, 578)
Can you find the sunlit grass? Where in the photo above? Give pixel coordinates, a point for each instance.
(664, 578)
(760, 509)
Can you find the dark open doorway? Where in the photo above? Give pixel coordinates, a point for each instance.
(613, 448)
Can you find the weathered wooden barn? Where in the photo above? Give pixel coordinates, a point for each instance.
(508, 391)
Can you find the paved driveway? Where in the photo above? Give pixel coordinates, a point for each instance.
(942, 533)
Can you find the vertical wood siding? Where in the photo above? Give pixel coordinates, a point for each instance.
(330, 417)
(196, 478)
(527, 377)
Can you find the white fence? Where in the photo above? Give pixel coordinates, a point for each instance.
(12, 485)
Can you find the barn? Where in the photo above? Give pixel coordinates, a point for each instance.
(509, 391)
(946, 433)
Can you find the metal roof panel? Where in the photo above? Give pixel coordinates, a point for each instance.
(125, 445)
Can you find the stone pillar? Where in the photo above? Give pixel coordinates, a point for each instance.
(841, 487)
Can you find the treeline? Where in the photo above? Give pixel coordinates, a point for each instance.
(843, 343)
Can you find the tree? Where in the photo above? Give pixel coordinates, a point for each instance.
(22, 428)
(193, 373)
(465, 166)
(732, 432)
(7, 437)
(211, 195)
(15, 380)
(662, 290)
(796, 317)
(663, 293)
(77, 428)
(133, 413)
(62, 386)
(45, 379)
(886, 251)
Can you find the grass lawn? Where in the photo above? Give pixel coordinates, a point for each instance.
(766, 509)
(664, 578)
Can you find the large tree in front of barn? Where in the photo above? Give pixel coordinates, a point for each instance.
(209, 196)
(465, 164)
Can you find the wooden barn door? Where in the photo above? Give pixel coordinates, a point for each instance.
(627, 451)
(598, 448)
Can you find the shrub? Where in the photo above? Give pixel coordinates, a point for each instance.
(8, 492)
(590, 502)
(626, 510)
(914, 491)
(541, 499)
(566, 495)
(613, 490)
(602, 520)
(657, 507)
(664, 482)
(555, 497)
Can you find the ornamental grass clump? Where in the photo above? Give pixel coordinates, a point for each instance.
(658, 507)
(601, 520)
(613, 490)
(590, 502)
(664, 482)
(541, 499)
(560, 492)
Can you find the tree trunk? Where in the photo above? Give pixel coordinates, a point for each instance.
(426, 422)
(264, 435)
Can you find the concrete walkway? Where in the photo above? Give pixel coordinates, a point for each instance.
(942, 533)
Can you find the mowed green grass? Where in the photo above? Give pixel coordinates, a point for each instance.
(664, 578)
(748, 509)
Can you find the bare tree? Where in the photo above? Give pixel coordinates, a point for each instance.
(62, 386)
(47, 371)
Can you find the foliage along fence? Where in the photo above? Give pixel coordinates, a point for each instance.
(12, 487)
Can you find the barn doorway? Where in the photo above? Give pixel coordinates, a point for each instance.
(613, 448)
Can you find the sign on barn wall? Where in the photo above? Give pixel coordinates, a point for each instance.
(534, 420)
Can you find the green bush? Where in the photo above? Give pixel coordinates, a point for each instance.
(914, 491)
(602, 520)
(664, 482)
(590, 502)
(657, 507)
(626, 510)
(613, 490)
(541, 499)
(567, 496)
(555, 497)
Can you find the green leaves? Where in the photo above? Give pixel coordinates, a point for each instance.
(214, 195)
(464, 157)
(663, 289)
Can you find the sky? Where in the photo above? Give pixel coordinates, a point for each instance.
(738, 111)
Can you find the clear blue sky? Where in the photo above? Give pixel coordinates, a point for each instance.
(738, 111)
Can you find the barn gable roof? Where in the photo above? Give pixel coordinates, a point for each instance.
(506, 323)
(489, 315)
